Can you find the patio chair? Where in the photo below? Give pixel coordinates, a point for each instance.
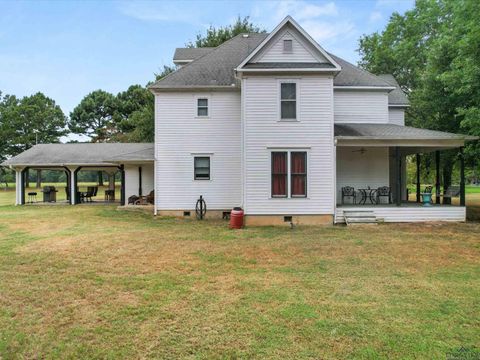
(145, 200)
(349, 192)
(451, 192)
(384, 192)
(90, 193)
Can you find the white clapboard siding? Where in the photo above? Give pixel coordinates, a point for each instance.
(361, 106)
(180, 134)
(263, 132)
(409, 213)
(302, 50)
(396, 116)
(360, 170)
(132, 179)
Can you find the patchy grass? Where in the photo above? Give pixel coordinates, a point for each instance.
(93, 282)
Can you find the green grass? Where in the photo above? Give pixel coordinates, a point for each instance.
(100, 283)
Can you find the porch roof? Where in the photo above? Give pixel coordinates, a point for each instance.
(345, 133)
(82, 154)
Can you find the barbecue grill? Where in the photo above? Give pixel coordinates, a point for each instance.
(49, 194)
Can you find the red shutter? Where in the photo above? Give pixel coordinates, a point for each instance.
(279, 174)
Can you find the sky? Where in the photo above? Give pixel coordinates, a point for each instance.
(67, 49)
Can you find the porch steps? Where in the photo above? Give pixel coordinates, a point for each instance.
(359, 217)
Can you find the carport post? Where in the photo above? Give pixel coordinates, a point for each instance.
(18, 186)
(73, 185)
(23, 178)
(122, 186)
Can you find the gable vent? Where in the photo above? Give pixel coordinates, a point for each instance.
(287, 46)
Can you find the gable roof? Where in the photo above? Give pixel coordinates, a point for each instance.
(82, 154)
(288, 21)
(397, 96)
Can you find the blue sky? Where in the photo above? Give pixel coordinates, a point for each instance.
(67, 49)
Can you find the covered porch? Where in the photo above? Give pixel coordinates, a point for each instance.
(371, 173)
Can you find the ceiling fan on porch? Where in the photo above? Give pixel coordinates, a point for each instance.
(361, 151)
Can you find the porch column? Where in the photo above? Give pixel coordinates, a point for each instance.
(140, 181)
(418, 177)
(462, 178)
(398, 182)
(122, 186)
(437, 177)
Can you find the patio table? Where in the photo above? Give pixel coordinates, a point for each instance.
(367, 194)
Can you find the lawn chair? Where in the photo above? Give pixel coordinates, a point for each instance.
(349, 192)
(451, 192)
(384, 192)
(145, 200)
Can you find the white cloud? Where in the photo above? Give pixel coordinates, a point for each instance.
(375, 16)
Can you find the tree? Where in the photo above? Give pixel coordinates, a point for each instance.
(217, 36)
(96, 116)
(433, 52)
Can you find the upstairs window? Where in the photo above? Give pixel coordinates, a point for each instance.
(287, 46)
(202, 107)
(201, 167)
(288, 101)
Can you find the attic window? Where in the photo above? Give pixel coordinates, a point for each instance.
(287, 46)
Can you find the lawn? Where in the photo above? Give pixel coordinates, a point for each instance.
(95, 282)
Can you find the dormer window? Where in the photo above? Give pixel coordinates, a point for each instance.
(287, 46)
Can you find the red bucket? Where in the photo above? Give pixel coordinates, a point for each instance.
(236, 218)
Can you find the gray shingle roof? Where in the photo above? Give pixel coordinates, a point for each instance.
(81, 154)
(215, 67)
(397, 96)
(393, 132)
(351, 75)
(187, 54)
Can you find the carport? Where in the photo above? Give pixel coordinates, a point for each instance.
(75, 157)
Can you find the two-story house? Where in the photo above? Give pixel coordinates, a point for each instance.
(275, 124)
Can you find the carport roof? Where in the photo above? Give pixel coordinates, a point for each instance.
(86, 154)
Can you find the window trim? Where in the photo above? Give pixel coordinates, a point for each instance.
(205, 156)
(197, 107)
(289, 151)
(297, 91)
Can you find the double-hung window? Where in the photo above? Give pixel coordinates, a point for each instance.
(288, 101)
(202, 107)
(289, 174)
(201, 166)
